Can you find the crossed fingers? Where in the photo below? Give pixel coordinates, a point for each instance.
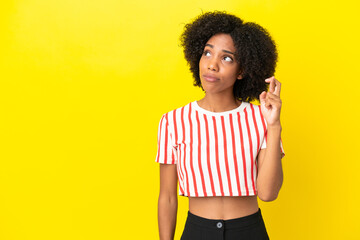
(273, 94)
(275, 86)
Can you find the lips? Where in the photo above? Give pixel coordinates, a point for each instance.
(210, 78)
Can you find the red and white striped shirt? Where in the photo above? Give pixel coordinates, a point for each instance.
(215, 152)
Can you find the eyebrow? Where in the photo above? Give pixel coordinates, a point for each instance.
(209, 45)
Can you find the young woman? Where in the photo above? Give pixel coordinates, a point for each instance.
(223, 150)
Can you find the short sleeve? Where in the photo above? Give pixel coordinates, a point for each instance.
(263, 145)
(166, 153)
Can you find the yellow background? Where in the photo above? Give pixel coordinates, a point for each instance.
(83, 87)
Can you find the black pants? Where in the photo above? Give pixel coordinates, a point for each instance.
(244, 228)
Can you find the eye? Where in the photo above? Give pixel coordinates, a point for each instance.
(228, 59)
(206, 53)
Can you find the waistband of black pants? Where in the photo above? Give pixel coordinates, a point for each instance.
(227, 224)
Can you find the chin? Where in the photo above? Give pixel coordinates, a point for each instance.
(215, 89)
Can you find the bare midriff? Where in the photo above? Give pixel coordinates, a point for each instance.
(223, 207)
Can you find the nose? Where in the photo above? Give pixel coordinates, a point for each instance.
(212, 65)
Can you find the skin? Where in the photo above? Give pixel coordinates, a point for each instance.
(218, 61)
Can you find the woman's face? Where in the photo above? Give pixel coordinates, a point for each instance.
(218, 67)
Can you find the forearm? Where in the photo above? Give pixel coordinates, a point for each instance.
(270, 177)
(167, 212)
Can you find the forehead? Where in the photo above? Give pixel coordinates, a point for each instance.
(222, 41)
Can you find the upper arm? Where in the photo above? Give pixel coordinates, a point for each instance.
(168, 180)
(260, 158)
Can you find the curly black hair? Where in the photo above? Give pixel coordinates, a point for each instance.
(255, 50)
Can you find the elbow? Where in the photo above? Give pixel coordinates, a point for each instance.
(267, 197)
(268, 193)
(168, 199)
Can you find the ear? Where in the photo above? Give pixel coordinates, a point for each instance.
(239, 76)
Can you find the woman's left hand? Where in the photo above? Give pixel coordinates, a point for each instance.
(271, 103)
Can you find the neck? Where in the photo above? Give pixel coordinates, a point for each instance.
(219, 102)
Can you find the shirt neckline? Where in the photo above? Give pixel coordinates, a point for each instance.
(204, 111)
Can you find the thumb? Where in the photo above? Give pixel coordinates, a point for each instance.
(262, 98)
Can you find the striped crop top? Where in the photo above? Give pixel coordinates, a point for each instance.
(215, 152)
